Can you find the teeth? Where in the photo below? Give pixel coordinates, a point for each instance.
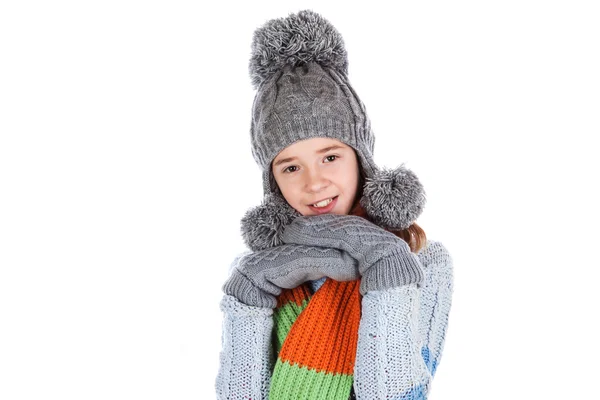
(323, 203)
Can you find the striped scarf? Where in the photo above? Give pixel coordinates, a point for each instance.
(315, 340)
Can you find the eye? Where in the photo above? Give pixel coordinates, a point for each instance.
(287, 170)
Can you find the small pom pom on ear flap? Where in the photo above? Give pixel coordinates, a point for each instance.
(393, 198)
(263, 225)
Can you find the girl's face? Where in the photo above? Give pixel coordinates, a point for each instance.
(316, 169)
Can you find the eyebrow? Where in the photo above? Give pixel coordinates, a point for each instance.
(323, 150)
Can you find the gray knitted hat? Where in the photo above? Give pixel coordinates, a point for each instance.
(299, 68)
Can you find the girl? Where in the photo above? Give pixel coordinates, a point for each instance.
(341, 295)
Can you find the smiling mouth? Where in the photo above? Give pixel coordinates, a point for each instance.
(324, 204)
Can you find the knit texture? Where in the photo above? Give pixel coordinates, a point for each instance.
(299, 67)
(400, 341)
(316, 338)
(384, 260)
(259, 276)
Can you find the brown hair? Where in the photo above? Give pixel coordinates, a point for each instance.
(414, 235)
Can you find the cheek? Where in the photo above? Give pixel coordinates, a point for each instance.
(351, 189)
(291, 194)
(351, 183)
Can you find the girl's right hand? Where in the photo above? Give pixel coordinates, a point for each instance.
(260, 276)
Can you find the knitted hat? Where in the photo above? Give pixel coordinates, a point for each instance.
(299, 68)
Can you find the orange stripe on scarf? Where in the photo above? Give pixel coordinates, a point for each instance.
(325, 335)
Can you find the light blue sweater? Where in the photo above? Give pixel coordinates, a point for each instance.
(400, 340)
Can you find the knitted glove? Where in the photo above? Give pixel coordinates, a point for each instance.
(384, 259)
(260, 276)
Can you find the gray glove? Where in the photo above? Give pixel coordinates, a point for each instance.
(260, 276)
(384, 259)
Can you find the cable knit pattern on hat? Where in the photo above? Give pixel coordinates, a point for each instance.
(299, 68)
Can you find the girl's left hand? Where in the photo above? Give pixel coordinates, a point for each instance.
(384, 259)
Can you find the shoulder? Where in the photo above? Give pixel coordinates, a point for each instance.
(435, 252)
(437, 264)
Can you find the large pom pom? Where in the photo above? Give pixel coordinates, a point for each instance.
(393, 198)
(297, 39)
(263, 225)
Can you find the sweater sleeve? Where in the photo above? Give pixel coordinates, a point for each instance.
(401, 332)
(246, 357)
(435, 302)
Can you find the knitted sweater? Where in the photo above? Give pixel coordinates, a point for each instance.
(400, 339)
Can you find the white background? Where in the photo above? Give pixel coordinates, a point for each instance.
(125, 168)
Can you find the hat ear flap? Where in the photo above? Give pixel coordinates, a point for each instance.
(262, 226)
(393, 198)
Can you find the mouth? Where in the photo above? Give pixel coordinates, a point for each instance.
(326, 207)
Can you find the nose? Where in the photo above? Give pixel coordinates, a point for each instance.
(315, 180)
